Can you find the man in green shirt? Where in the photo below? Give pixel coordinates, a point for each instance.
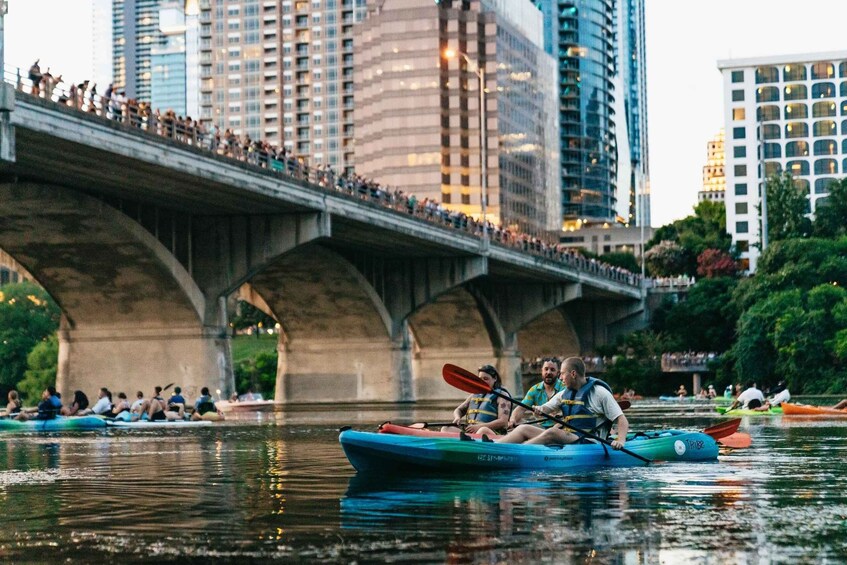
(541, 393)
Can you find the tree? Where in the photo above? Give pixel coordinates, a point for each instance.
(787, 209)
(705, 229)
(716, 263)
(42, 362)
(705, 320)
(624, 260)
(666, 259)
(831, 211)
(248, 316)
(27, 316)
(257, 374)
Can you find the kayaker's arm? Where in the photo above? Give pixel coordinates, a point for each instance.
(504, 409)
(461, 410)
(623, 428)
(516, 416)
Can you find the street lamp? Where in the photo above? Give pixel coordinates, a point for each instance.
(479, 71)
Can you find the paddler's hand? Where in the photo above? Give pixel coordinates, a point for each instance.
(537, 411)
(617, 444)
(473, 428)
(457, 421)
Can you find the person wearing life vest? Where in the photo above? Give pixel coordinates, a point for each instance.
(586, 404)
(481, 411)
(540, 393)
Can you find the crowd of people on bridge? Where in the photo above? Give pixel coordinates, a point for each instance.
(118, 407)
(687, 359)
(113, 104)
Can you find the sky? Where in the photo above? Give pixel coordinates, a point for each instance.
(685, 39)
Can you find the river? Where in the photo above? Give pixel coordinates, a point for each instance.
(277, 487)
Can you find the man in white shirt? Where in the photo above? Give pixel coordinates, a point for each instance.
(103, 405)
(750, 399)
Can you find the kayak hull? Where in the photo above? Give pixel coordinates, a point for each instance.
(57, 424)
(391, 453)
(159, 424)
(777, 411)
(806, 410)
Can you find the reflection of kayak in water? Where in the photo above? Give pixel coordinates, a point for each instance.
(806, 410)
(57, 424)
(387, 453)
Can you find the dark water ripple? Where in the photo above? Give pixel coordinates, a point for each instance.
(276, 487)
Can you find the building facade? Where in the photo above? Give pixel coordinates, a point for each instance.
(418, 111)
(599, 46)
(282, 71)
(135, 31)
(610, 239)
(714, 179)
(786, 113)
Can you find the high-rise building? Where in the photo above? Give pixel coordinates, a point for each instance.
(418, 112)
(135, 31)
(599, 45)
(714, 180)
(781, 112)
(101, 42)
(175, 80)
(282, 71)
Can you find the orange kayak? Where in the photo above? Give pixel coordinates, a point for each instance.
(397, 429)
(807, 410)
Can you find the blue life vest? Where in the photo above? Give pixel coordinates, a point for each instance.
(576, 413)
(483, 407)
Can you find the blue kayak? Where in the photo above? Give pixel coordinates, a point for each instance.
(57, 424)
(388, 453)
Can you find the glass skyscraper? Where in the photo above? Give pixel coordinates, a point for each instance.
(599, 45)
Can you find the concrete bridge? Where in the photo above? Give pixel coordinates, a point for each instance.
(141, 239)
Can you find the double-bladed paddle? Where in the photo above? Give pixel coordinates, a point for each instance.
(468, 382)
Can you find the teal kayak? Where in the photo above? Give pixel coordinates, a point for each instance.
(57, 424)
(389, 453)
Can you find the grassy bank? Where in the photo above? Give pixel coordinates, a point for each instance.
(248, 346)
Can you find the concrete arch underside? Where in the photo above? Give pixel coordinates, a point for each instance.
(455, 328)
(337, 342)
(132, 314)
(550, 335)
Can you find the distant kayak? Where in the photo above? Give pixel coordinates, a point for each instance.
(777, 411)
(391, 453)
(158, 424)
(57, 424)
(245, 405)
(685, 399)
(807, 410)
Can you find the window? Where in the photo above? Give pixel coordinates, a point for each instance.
(826, 167)
(796, 129)
(823, 128)
(742, 246)
(823, 90)
(773, 151)
(823, 70)
(767, 74)
(794, 72)
(802, 186)
(741, 170)
(767, 113)
(796, 92)
(739, 133)
(741, 189)
(797, 149)
(739, 151)
(770, 131)
(842, 69)
(826, 147)
(737, 95)
(737, 76)
(767, 94)
(796, 111)
(797, 168)
(740, 208)
(822, 185)
(738, 114)
(823, 109)
(771, 168)
(741, 227)
(842, 90)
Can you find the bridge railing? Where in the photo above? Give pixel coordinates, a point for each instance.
(139, 115)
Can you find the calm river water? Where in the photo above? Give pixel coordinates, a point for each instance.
(277, 487)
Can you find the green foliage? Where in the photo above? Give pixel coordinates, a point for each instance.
(787, 209)
(27, 316)
(830, 212)
(704, 321)
(706, 229)
(637, 363)
(247, 346)
(248, 316)
(624, 260)
(257, 374)
(42, 362)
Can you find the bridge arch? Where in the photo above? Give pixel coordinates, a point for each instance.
(336, 342)
(132, 315)
(551, 334)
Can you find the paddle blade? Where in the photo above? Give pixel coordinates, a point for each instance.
(624, 404)
(738, 440)
(464, 380)
(723, 429)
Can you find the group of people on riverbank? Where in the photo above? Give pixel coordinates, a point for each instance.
(569, 408)
(155, 408)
